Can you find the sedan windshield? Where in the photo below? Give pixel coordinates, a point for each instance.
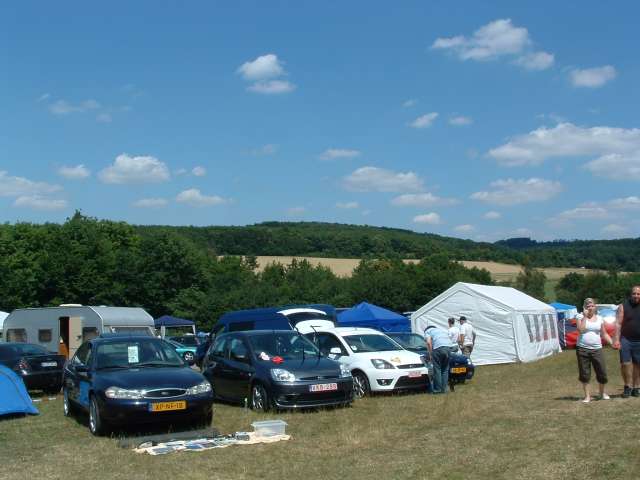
(371, 343)
(130, 353)
(409, 340)
(289, 346)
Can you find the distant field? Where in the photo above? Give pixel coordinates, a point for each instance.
(343, 267)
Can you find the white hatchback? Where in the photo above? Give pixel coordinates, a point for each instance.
(377, 363)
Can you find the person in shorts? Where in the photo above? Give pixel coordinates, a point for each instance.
(627, 339)
(589, 349)
(467, 337)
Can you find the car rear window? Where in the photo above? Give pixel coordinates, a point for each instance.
(7, 352)
(28, 349)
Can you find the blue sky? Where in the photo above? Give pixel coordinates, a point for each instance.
(481, 120)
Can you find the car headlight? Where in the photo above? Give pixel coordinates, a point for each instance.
(124, 394)
(344, 371)
(381, 364)
(204, 387)
(282, 375)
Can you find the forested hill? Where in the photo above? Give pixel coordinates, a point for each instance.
(356, 241)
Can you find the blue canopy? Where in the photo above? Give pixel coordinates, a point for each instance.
(169, 321)
(367, 315)
(562, 306)
(13, 394)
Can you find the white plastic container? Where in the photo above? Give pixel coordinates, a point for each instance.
(269, 428)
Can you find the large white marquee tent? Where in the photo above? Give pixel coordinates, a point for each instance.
(510, 326)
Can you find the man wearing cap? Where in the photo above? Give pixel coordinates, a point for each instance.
(439, 347)
(467, 337)
(627, 339)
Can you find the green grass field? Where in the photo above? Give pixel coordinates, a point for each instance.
(510, 422)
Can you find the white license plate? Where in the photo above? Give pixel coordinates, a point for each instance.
(323, 387)
(414, 374)
(49, 364)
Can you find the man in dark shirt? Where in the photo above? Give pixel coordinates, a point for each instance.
(627, 339)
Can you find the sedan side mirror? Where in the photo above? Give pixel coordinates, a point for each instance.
(336, 351)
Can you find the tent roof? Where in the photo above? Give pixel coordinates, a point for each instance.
(3, 315)
(169, 321)
(562, 306)
(367, 315)
(507, 296)
(367, 311)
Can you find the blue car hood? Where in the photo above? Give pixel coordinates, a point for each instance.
(149, 378)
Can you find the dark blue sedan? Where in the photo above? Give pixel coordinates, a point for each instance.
(122, 380)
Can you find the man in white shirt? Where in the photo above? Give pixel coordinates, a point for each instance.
(467, 337)
(454, 332)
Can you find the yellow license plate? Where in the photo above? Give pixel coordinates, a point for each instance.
(165, 406)
(459, 370)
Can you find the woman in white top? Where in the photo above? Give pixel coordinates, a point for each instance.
(589, 349)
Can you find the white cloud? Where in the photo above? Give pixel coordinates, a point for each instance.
(466, 228)
(374, 179)
(296, 211)
(140, 169)
(490, 41)
(592, 77)
(617, 166)
(460, 121)
(409, 103)
(615, 229)
(268, 149)
(333, 153)
(37, 202)
(263, 67)
(63, 107)
(195, 198)
(43, 97)
(74, 173)
(428, 218)
(424, 121)
(104, 118)
(150, 203)
(492, 215)
(272, 87)
(627, 203)
(513, 192)
(347, 205)
(421, 200)
(523, 232)
(584, 212)
(20, 186)
(536, 61)
(180, 171)
(199, 171)
(565, 140)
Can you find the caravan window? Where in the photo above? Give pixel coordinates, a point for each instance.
(89, 333)
(17, 335)
(132, 330)
(44, 336)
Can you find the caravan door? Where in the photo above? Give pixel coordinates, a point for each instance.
(70, 335)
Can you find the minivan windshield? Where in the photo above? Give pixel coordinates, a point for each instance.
(371, 343)
(131, 353)
(409, 340)
(288, 346)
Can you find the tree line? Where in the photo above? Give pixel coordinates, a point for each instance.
(101, 262)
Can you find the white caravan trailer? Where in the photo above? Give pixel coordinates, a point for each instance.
(63, 329)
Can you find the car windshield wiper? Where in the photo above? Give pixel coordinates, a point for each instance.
(112, 367)
(155, 364)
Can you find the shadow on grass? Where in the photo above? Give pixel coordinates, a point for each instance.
(595, 398)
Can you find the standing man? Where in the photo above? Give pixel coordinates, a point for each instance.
(627, 339)
(467, 337)
(454, 332)
(439, 346)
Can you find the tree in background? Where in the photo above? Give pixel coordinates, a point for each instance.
(531, 281)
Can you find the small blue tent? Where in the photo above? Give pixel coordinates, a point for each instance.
(13, 394)
(367, 315)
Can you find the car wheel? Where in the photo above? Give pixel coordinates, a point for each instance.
(67, 407)
(206, 419)
(188, 356)
(96, 424)
(360, 385)
(259, 398)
